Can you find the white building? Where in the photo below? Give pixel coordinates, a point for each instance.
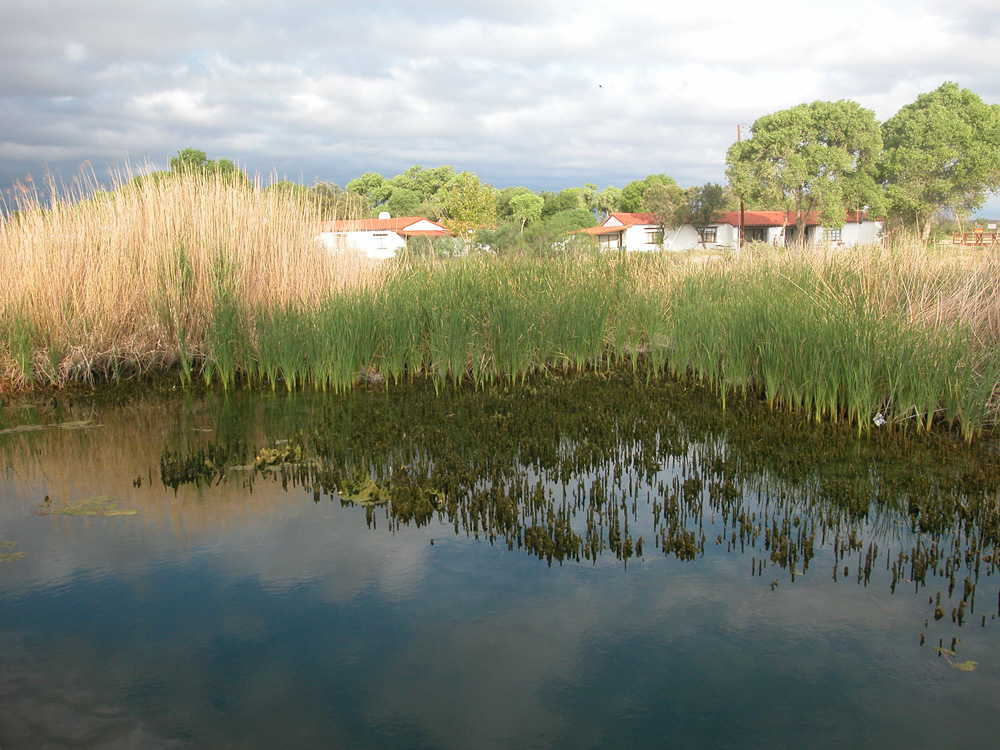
(628, 231)
(377, 238)
(638, 231)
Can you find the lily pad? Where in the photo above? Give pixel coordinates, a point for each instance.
(95, 506)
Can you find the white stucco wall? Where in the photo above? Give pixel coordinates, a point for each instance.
(377, 245)
(636, 238)
(853, 233)
(865, 233)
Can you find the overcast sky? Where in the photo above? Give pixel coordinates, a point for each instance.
(523, 92)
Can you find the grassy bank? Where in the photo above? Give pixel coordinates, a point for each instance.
(225, 284)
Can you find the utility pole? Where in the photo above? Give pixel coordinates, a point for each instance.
(742, 233)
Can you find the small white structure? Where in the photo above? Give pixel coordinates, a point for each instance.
(379, 238)
(637, 231)
(628, 231)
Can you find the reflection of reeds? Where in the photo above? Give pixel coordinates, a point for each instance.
(587, 466)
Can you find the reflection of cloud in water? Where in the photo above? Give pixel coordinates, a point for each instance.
(330, 547)
(481, 682)
(281, 538)
(48, 706)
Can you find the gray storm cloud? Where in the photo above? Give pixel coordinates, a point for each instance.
(536, 93)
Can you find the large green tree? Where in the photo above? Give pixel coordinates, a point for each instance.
(608, 201)
(526, 207)
(663, 200)
(469, 205)
(941, 152)
(504, 198)
(819, 157)
(701, 207)
(428, 185)
(630, 199)
(371, 186)
(402, 202)
(425, 183)
(196, 161)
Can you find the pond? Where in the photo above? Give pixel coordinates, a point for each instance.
(591, 561)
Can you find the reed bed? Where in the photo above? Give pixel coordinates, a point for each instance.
(152, 275)
(226, 284)
(904, 334)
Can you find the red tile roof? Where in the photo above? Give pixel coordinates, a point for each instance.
(595, 231)
(397, 225)
(627, 220)
(631, 220)
(777, 218)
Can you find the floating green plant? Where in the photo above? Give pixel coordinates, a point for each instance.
(964, 666)
(77, 425)
(9, 557)
(103, 506)
(283, 453)
(361, 490)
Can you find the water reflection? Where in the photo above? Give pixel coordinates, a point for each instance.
(581, 561)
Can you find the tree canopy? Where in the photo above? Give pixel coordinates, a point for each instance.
(941, 152)
(193, 161)
(813, 157)
(469, 205)
(701, 207)
(196, 161)
(371, 186)
(526, 207)
(630, 199)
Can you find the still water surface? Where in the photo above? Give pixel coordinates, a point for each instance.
(484, 586)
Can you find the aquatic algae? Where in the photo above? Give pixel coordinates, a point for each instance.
(361, 490)
(8, 557)
(964, 666)
(79, 425)
(269, 457)
(96, 506)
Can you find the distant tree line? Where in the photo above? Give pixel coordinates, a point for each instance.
(937, 158)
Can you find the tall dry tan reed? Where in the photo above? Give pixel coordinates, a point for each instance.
(119, 278)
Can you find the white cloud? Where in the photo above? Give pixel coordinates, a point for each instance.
(536, 93)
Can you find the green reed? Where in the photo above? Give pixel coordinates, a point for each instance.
(20, 336)
(227, 338)
(281, 333)
(816, 339)
(840, 336)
